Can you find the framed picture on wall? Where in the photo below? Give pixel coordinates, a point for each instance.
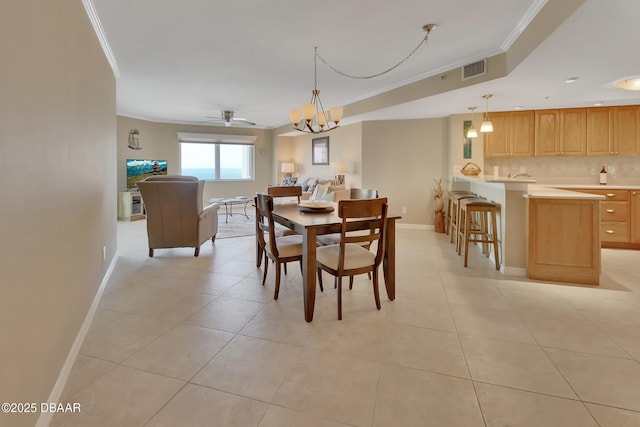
(320, 151)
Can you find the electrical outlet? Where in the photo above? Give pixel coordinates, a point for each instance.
(104, 253)
(404, 210)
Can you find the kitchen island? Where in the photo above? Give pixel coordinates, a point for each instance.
(563, 234)
(545, 233)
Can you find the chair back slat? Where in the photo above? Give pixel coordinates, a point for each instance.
(264, 221)
(363, 209)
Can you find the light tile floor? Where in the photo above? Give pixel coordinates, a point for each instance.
(184, 341)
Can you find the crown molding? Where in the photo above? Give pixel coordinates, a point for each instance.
(102, 38)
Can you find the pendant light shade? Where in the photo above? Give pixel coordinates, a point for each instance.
(471, 132)
(487, 126)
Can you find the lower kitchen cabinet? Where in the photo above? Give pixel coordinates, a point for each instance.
(635, 216)
(619, 217)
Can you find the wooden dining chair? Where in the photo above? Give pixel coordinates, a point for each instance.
(280, 250)
(282, 191)
(349, 257)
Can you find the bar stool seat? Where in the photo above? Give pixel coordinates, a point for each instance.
(453, 211)
(474, 227)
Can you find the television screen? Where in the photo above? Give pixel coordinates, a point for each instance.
(138, 170)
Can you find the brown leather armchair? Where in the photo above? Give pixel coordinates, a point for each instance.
(175, 216)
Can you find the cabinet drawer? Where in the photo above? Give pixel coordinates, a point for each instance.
(614, 211)
(611, 195)
(614, 231)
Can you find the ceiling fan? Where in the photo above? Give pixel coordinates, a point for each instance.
(228, 119)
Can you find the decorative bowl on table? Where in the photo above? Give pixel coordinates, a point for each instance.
(315, 206)
(471, 169)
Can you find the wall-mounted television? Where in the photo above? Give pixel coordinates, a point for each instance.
(138, 169)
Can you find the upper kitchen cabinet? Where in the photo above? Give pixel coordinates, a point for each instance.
(599, 131)
(626, 133)
(561, 132)
(547, 132)
(512, 136)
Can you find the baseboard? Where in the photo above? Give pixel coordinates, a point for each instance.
(415, 226)
(514, 271)
(45, 417)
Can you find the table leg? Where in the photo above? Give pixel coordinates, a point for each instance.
(227, 211)
(309, 271)
(245, 209)
(389, 259)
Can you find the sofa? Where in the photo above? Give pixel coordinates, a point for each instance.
(316, 188)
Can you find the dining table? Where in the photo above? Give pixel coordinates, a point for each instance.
(312, 224)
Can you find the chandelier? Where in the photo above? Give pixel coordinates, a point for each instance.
(313, 118)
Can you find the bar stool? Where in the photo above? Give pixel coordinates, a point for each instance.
(473, 219)
(452, 214)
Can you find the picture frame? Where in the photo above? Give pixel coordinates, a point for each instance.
(320, 151)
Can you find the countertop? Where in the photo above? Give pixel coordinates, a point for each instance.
(492, 179)
(549, 192)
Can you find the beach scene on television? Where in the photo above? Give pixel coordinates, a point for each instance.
(138, 169)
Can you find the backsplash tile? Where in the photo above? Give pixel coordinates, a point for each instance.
(621, 170)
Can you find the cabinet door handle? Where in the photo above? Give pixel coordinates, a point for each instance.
(610, 231)
(611, 195)
(611, 210)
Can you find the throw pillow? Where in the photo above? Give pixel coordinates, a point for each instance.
(319, 192)
(329, 196)
(288, 181)
(303, 181)
(311, 184)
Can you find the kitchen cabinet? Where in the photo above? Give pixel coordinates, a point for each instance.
(563, 239)
(619, 217)
(512, 136)
(561, 132)
(599, 131)
(626, 132)
(635, 216)
(547, 132)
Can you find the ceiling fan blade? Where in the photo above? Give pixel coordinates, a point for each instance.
(220, 119)
(245, 121)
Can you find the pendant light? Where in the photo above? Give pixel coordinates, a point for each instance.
(472, 133)
(487, 126)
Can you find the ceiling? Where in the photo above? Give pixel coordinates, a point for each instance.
(181, 61)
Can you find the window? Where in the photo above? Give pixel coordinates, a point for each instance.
(217, 157)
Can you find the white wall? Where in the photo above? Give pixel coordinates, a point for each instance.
(402, 159)
(57, 189)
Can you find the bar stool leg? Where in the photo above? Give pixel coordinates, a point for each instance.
(467, 232)
(495, 239)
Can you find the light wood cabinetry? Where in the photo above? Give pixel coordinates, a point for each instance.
(561, 132)
(626, 131)
(599, 131)
(635, 216)
(547, 132)
(573, 132)
(564, 242)
(512, 136)
(619, 217)
(130, 206)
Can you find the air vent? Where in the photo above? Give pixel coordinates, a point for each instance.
(474, 70)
